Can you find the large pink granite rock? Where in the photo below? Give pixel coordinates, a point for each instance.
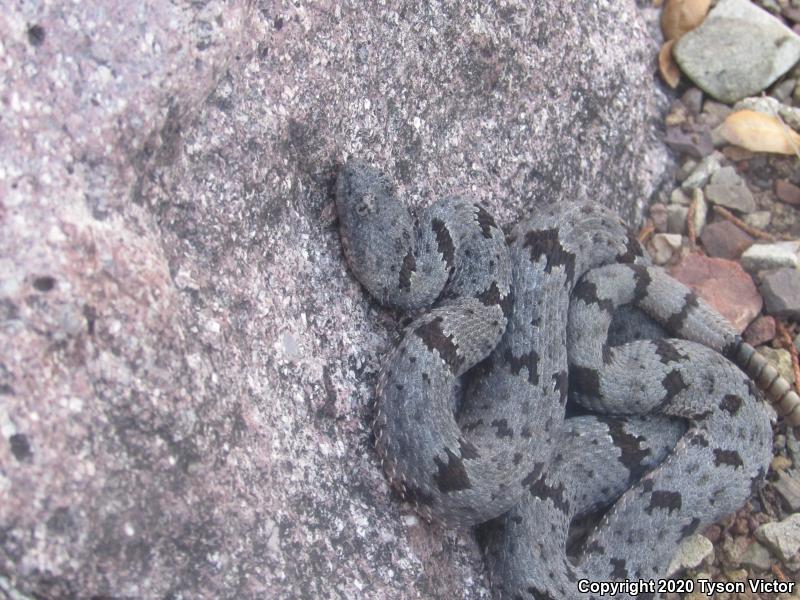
(186, 367)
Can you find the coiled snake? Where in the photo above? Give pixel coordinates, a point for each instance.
(470, 410)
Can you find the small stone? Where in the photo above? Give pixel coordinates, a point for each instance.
(676, 218)
(760, 331)
(729, 190)
(787, 192)
(677, 115)
(792, 13)
(693, 100)
(736, 575)
(713, 533)
(692, 552)
(702, 172)
(700, 211)
(783, 537)
(781, 292)
(737, 153)
(759, 219)
(738, 51)
(780, 359)
(723, 284)
(741, 526)
(763, 257)
(685, 169)
(664, 247)
(780, 463)
(771, 6)
(783, 91)
(732, 549)
(714, 113)
(694, 141)
(723, 239)
(658, 213)
(678, 196)
(788, 486)
(756, 557)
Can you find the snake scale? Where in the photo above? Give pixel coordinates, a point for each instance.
(470, 411)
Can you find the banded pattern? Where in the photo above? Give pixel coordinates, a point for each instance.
(520, 326)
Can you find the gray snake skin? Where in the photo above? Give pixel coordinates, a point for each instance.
(470, 411)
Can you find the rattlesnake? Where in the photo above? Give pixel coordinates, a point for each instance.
(470, 411)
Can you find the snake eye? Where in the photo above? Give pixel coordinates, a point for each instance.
(366, 205)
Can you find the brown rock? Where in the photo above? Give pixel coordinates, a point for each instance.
(787, 192)
(723, 239)
(723, 284)
(760, 331)
(694, 141)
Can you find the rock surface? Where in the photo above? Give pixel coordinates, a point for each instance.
(186, 367)
(738, 51)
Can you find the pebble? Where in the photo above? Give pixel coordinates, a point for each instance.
(702, 172)
(781, 292)
(723, 239)
(676, 218)
(701, 210)
(787, 192)
(692, 552)
(693, 100)
(782, 537)
(658, 213)
(756, 557)
(738, 51)
(685, 169)
(664, 247)
(780, 463)
(729, 190)
(714, 113)
(732, 549)
(788, 486)
(762, 257)
(723, 284)
(737, 153)
(759, 219)
(760, 331)
(694, 141)
(783, 91)
(678, 196)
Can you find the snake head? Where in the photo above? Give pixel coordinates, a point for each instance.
(376, 229)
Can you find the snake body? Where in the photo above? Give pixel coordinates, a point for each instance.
(470, 409)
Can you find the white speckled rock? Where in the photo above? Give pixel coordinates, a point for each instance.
(782, 537)
(186, 367)
(762, 257)
(664, 246)
(691, 553)
(738, 51)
